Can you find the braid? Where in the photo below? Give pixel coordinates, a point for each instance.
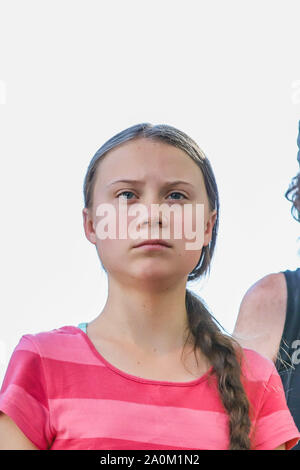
(225, 355)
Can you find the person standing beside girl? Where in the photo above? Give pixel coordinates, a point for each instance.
(269, 317)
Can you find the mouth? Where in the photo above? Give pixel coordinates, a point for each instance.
(153, 244)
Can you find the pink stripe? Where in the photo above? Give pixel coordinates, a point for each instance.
(257, 367)
(18, 404)
(67, 347)
(279, 424)
(111, 444)
(25, 370)
(81, 418)
(17, 395)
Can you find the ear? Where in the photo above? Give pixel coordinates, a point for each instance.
(89, 226)
(209, 227)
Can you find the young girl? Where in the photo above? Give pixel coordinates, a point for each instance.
(153, 370)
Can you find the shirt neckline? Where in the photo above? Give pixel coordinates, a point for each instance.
(95, 351)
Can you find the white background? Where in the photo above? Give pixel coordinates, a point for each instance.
(74, 73)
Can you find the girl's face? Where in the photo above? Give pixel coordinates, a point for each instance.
(154, 166)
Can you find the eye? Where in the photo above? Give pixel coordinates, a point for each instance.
(175, 192)
(124, 192)
(130, 192)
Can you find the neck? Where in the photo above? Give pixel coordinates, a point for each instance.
(150, 319)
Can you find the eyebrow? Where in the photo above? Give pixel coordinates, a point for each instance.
(168, 183)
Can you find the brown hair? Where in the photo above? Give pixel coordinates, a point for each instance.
(222, 351)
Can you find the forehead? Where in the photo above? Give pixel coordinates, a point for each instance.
(146, 159)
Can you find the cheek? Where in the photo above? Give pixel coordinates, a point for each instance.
(188, 228)
(112, 253)
(189, 247)
(188, 259)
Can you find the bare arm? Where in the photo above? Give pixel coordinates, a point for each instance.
(261, 316)
(11, 437)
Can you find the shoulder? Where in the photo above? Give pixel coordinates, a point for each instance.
(269, 288)
(265, 301)
(256, 367)
(46, 342)
(261, 316)
(67, 344)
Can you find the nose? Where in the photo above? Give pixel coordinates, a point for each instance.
(152, 219)
(156, 217)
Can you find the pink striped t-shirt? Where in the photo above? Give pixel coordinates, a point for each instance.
(63, 394)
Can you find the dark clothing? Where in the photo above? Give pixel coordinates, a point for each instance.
(289, 352)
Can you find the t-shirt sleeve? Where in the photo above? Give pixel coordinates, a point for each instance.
(275, 425)
(23, 395)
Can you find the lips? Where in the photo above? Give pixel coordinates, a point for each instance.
(153, 242)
